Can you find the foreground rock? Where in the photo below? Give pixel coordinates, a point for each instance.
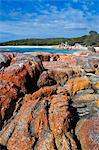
(55, 76)
(77, 84)
(88, 132)
(49, 101)
(15, 81)
(4, 60)
(43, 122)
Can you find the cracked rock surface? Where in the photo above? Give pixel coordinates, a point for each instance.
(49, 101)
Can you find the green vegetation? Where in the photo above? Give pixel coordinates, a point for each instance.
(87, 40)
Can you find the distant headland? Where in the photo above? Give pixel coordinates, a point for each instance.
(92, 39)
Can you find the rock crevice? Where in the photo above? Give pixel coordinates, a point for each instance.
(49, 101)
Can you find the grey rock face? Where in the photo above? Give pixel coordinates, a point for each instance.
(3, 60)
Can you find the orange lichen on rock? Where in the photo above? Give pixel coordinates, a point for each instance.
(84, 54)
(43, 122)
(97, 72)
(59, 114)
(51, 107)
(15, 81)
(67, 59)
(86, 97)
(45, 91)
(97, 85)
(97, 103)
(89, 133)
(77, 84)
(64, 58)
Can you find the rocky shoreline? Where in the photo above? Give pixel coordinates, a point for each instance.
(49, 101)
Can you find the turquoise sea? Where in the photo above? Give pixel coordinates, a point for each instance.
(50, 50)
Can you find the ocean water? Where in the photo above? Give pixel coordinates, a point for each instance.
(50, 50)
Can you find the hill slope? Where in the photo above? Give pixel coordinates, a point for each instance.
(84, 40)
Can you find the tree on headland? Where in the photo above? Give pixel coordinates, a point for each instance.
(92, 33)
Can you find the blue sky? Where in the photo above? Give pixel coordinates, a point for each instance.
(21, 19)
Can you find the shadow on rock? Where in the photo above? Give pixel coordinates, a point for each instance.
(2, 147)
(75, 118)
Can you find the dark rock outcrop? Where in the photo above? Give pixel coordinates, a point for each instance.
(4, 61)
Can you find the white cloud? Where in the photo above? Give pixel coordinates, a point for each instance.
(51, 23)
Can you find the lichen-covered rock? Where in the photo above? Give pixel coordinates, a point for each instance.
(77, 84)
(85, 104)
(97, 72)
(57, 73)
(45, 80)
(97, 103)
(21, 58)
(86, 97)
(55, 76)
(89, 64)
(15, 81)
(43, 56)
(43, 123)
(78, 71)
(68, 59)
(97, 86)
(60, 75)
(94, 79)
(88, 133)
(62, 114)
(54, 64)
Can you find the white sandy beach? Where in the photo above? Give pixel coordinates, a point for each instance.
(53, 46)
(27, 46)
